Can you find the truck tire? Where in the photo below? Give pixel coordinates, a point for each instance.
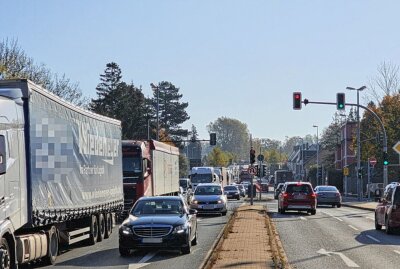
(102, 227)
(5, 255)
(109, 224)
(52, 246)
(94, 230)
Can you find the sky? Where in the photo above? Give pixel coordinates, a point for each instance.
(236, 59)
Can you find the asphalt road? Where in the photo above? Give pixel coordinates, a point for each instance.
(105, 254)
(335, 238)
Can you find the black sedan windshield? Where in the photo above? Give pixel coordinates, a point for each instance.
(156, 207)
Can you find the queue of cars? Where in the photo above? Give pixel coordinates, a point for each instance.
(170, 222)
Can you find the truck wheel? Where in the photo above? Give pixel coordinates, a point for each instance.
(94, 230)
(102, 227)
(5, 258)
(108, 225)
(52, 246)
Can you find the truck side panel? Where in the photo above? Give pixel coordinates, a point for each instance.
(76, 160)
(165, 172)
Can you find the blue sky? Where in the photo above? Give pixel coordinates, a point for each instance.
(239, 59)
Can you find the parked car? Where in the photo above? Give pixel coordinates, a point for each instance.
(159, 222)
(242, 190)
(278, 190)
(209, 198)
(232, 191)
(328, 195)
(387, 212)
(297, 196)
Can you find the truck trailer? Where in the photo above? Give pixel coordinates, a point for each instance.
(150, 168)
(60, 174)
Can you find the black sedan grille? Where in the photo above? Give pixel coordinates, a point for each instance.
(152, 231)
(208, 203)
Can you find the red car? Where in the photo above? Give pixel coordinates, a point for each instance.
(387, 212)
(298, 196)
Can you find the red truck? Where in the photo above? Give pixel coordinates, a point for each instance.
(150, 168)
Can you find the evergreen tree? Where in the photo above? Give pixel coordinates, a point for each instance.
(172, 112)
(109, 83)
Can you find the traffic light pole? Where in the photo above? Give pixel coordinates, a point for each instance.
(385, 167)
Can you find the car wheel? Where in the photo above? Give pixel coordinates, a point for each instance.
(378, 227)
(5, 254)
(313, 211)
(186, 249)
(339, 205)
(124, 251)
(389, 230)
(194, 241)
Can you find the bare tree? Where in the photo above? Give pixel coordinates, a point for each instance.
(14, 63)
(386, 82)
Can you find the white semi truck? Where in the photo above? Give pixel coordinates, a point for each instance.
(60, 174)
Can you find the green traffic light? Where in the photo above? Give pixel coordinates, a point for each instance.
(385, 162)
(341, 105)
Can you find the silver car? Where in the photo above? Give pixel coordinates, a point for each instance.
(209, 198)
(328, 195)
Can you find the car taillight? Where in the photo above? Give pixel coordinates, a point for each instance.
(285, 195)
(313, 195)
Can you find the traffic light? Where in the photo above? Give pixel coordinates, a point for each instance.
(213, 139)
(340, 101)
(297, 100)
(252, 156)
(385, 158)
(359, 173)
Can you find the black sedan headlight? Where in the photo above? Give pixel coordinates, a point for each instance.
(179, 229)
(126, 230)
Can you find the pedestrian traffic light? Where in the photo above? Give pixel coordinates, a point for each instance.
(385, 158)
(252, 155)
(340, 101)
(213, 139)
(297, 100)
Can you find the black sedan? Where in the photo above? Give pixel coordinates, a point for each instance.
(159, 222)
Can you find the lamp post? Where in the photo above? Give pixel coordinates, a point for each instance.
(302, 159)
(316, 126)
(359, 178)
(157, 88)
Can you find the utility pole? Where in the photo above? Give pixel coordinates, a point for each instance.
(252, 176)
(316, 126)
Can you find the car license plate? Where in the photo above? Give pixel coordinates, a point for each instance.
(152, 240)
(208, 206)
(299, 197)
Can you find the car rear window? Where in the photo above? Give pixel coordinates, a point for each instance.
(303, 188)
(327, 188)
(230, 188)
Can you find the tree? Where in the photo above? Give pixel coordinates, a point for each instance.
(386, 82)
(232, 136)
(122, 101)
(183, 166)
(15, 63)
(217, 158)
(110, 80)
(172, 111)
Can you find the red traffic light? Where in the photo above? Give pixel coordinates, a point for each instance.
(297, 100)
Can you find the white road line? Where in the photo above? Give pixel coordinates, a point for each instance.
(142, 262)
(303, 218)
(354, 228)
(370, 218)
(396, 251)
(339, 219)
(373, 238)
(345, 259)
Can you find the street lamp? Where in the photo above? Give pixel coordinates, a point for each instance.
(302, 158)
(157, 88)
(359, 183)
(316, 126)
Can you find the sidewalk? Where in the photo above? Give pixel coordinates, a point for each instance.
(246, 244)
(365, 205)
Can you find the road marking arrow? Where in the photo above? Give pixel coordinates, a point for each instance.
(345, 259)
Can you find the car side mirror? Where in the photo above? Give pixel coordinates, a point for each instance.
(3, 159)
(192, 211)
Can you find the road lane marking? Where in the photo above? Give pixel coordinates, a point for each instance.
(339, 219)
(345, 259)
(396, 251)
(373, 238)
(142, 262)
(354, 228)
(303, 218)
(370, 218)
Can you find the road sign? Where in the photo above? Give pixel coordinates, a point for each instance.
(372, 161)
(345, 171)
(397, 147)
(260, 158)
(252, 170)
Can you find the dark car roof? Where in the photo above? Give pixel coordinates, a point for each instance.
(160, 198)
